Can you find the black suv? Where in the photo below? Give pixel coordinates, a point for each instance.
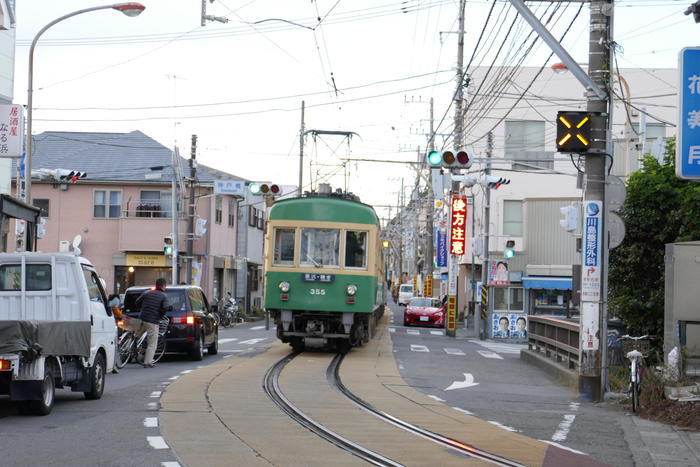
(192, 327)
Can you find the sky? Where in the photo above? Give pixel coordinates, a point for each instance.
(363, 66)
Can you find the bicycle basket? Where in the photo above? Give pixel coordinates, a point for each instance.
(643, 345)
(163, 325)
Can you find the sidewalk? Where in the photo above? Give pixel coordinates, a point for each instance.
(652, 444)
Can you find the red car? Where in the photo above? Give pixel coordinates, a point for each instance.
(424, 311)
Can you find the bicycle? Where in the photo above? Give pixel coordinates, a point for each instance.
(132, 347)
(635, 348)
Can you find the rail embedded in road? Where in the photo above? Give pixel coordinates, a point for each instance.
(272, 389)
(333, 377)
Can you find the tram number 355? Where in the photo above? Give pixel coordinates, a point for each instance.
(317, 291)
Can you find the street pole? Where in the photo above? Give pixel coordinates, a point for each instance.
(301, 149)
(175, 214)
(431, 200)
(190, 210)
(593, 320)
(483, 315)
(459, 117)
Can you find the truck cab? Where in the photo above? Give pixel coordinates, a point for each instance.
(56, 329)
(405, 294)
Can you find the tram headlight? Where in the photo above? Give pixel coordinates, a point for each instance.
(284, 286)
(351, 289)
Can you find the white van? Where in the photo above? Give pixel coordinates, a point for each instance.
(405, 294)
(56, 329)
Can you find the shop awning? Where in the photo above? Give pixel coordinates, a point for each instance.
(547, 282)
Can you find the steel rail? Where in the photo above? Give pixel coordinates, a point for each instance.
(272, 389)
(333, 377)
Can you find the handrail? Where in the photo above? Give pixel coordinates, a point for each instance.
(556, 338)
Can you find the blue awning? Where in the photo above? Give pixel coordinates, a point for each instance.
(547, 282)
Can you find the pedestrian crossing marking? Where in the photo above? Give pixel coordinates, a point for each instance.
(392, 329)
(419, 348)
(437, 333)
(489, 354)
(454, 352)
(500, 347)
(257, 328)
(227, 340)
(253, 341)
(414, 332)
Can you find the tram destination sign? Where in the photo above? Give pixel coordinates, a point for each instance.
(309, 277)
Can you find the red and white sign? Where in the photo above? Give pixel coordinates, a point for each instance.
(11, 130)
(458, 225)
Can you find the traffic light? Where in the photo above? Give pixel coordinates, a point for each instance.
(70, 176)
(491, 181)
(509, 252)
(573, 131)
(449, 159)
(569, 220)
(168, 245)
(264, 189)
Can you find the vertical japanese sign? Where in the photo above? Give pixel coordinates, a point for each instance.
(442, 249)
(688, 144)
(458, 226)
(592, 247)
(11, 130)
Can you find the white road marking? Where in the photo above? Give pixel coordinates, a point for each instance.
(170, 464)
(459, 409)
(157, 442)
(392, 329)
(467, 383)
(164, 383)
(419, 348)
(227, 340)
(253, 341)
(150, 422)
(454, 351)
(501, 347)
(414, 332)
(184, 372)
(152, 406)
(231, 351)
(563, 428)
(156, 393)
(574, 406)
(437, 333)
(489, 354)
(401, 367)
(436, 398)
(172, 378)
(257, 328)
(562, 446)
(507, 428)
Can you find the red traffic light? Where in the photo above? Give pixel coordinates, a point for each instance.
(274, 189)
(462, 157)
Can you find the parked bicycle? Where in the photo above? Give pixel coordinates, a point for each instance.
(132, 347)
(634, 349)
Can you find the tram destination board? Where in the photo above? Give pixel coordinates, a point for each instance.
(308, 277)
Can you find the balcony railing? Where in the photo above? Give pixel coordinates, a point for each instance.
(147, 208)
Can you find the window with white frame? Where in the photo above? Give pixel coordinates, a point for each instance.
(231, 212)
(513, 218)
(218, 209)
(525, 142)
(107, 203)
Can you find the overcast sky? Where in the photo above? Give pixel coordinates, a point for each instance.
(369, 67)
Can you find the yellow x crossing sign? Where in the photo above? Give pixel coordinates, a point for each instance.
(573, 131)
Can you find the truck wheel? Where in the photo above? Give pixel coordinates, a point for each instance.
(45, 404)
(97, 378)
(197, 352)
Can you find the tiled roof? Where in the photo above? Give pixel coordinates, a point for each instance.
(111, 156)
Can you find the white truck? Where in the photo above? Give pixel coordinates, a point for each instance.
(56, 329)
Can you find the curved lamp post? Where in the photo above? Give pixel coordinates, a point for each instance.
(129, 9)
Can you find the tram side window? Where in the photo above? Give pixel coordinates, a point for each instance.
(284, 247)
(319, 247)
(355, 249)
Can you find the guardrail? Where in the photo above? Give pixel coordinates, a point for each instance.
(555, 338)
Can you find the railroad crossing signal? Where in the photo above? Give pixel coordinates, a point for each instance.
(573, 131)
(449, 159)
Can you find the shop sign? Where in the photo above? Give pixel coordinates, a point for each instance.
(145, 260)
(11, 130)
(458, 226)
(592, 248)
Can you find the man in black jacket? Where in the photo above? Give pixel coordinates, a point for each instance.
(153, 304)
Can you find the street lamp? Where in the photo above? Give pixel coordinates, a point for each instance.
(129, 9)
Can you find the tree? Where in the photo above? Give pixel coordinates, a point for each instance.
(660, 208)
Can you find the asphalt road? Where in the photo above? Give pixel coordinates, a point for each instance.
(111, 431)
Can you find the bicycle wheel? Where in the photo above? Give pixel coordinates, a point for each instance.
(226, 319)
(160, 349)
(124, 350)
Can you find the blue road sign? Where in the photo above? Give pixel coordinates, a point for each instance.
(688, 144)
(442, 250)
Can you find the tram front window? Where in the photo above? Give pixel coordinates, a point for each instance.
(284, 247)
(319, 247)
(355, 249)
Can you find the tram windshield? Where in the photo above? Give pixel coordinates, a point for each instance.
(319, 247)
(284, 247)
(355, 249)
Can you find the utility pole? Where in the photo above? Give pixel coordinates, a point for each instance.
(190, 209)
(301, 149)
(593, 309)
(431, 200)
(174, 212)
(481, 318)
(459, 117)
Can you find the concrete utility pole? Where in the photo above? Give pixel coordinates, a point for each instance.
(459, 117)
(175, 213)
(487, 227)
(190, 209)
(301, 150)
(431, 200)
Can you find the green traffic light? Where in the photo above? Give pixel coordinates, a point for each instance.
(434, 158)
(509, 253)
(168, 250)
(255, 188)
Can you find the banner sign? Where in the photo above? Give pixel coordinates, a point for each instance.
(498, 273)
(11, 130)
(592, 248)
(688, 144)
(458, 228)
(442, 250)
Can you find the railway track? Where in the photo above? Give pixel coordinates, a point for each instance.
(272, 388)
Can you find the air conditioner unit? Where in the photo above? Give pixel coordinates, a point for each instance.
(63, 246)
